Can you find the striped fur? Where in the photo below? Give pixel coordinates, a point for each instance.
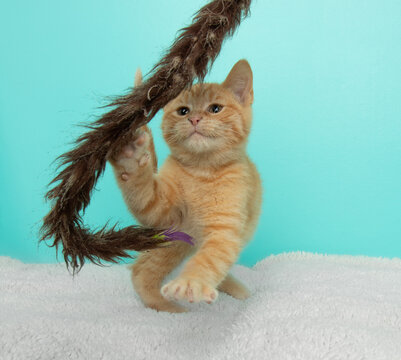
(208, 188)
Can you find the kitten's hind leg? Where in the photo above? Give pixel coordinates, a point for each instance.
(149, 270)
(233, 287)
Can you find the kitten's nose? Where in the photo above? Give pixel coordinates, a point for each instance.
(195, 119)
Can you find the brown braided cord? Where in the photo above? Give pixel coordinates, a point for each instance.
(188, 59)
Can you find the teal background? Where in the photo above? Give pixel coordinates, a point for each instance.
(327, 114)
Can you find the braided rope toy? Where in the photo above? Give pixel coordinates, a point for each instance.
(189, 58)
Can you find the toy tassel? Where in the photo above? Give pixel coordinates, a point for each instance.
(189, 57)
(171, 235)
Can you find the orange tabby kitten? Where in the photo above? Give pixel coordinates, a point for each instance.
(208, 188)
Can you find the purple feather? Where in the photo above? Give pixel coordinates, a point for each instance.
(172, 235)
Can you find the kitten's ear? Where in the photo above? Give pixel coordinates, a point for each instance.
(138, 77)
(240, 82)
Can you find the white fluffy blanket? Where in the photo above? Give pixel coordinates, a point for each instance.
(303, 306)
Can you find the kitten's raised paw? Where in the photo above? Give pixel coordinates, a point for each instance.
(134, 155)
(191, 290)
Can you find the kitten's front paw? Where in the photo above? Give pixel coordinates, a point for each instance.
(134, 155)
(191, 290)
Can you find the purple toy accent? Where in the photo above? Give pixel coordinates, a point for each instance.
(172, 235)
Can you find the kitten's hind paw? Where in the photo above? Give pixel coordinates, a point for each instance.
(233, 287)
(168, 307)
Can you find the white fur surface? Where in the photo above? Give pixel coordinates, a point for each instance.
(303, 306)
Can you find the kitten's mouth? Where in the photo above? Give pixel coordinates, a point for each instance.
(196, 133)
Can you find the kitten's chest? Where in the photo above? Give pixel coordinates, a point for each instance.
(202, 197)
(205, 197)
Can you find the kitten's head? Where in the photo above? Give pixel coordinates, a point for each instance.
(209, 118)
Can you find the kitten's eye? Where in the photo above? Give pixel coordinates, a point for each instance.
(183, 110)
(215, 108)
